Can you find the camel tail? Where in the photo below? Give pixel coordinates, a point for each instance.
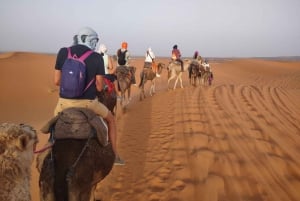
(142, 79)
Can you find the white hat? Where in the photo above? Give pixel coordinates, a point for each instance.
(102, 48)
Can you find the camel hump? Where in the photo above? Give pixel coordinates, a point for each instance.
(79, 123)
(122, 69)
(176, 63)
(195, 63)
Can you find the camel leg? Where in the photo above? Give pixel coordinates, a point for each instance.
(128, 93)
(180, 79)
(170, 80)
(122, 99)
(175, 83)
(152, 88)
(142, 93)
(173, 75)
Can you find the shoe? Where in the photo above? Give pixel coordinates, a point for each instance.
(119, 161)
(135, 85)
(157, 75)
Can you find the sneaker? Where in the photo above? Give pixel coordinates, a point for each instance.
(157, 75)
(119, 161)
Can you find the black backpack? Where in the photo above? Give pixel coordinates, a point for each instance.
(121, 57)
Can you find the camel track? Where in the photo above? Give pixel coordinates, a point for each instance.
(235, 140)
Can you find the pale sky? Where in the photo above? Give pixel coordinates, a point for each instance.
(216, 28)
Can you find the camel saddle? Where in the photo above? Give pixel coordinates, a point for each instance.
(77, 123)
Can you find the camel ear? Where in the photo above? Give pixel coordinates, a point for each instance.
(23, 141)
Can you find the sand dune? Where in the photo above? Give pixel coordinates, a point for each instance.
(237, 140)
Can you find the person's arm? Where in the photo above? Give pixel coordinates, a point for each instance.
(179, 54)
(111, 67)
(152, 56)
(127, 57)
(57, 76)
(60, 59)
(99, 82)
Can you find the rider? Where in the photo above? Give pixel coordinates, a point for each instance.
(195, 57)
(176, 56)
(123, 58)
(110, 69)
(149, 61)
(85, 40)
(206, 65)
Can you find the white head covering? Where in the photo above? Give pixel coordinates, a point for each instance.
(102, 49)
(88, 37)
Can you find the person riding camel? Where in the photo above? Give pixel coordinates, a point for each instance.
(110, 69)
(149, 61)
(195, 60)
(176, 56)
(85, 41)
(123, 58)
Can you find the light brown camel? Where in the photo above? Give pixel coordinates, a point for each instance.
(148, 74)
(17, 145)
(125, 75)
(175, 71)
(81, 156)
(205, 75)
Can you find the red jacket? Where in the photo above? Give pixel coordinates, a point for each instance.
(177, 53)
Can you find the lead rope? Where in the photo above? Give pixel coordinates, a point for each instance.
(51, 140)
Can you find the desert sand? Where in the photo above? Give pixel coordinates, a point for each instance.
(237, 140)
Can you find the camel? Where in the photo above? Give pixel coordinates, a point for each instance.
(194, 71)
(148, 74)
(125, 75)
(108, 96)
(17, 145)
(81, 156)
(205, 77)
(175, 71)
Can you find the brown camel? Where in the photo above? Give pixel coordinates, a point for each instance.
(194, 71)
(148, 74)
(17, 145)
(80, 157)
(108, 96)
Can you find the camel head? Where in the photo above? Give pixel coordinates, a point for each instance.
(18, 139)
(17, 145)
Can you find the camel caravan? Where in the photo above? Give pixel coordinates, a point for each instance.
(63, 171)
(200, 72)
(63, 174)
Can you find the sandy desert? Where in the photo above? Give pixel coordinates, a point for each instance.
(236, 140)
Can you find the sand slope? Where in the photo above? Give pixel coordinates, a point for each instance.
(235, 140)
